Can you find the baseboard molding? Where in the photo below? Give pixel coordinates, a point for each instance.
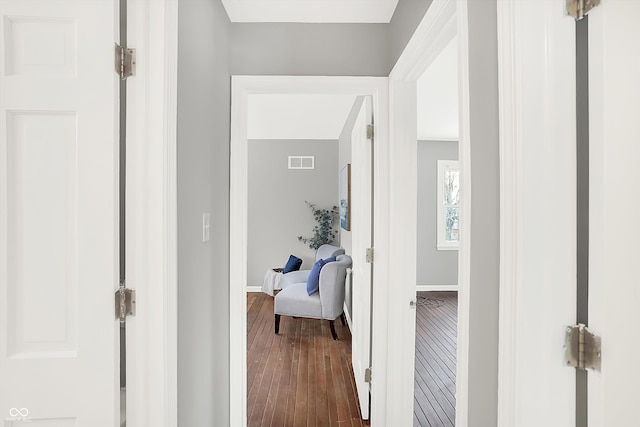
(254, 288)
(347, 316)
(438, 288)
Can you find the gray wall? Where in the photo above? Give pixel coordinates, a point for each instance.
(310, 49)
(277, 210)
(344, 142)
(485, 214)
(324, 49)
(434, 267)
(203, 186)
(210, 49)
(404, 22)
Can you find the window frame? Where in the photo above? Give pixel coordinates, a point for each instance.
(441, 243)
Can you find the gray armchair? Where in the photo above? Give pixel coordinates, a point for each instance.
(326, 304)
(323, 252)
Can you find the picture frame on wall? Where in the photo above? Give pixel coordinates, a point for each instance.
(345, 197)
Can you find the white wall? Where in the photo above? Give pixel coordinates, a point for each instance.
(278, 213)
(434, 267)
(345, 157)
(438, 97)
(297, 116)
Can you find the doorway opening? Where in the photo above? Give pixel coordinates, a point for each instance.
(243, 89)
(438, 224)
(297, 145)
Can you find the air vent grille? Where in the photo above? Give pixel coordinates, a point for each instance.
(302, 162)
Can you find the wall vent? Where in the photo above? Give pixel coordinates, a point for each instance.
(302, 162)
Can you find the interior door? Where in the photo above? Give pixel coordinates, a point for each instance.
(614, 288)
(58, 213)
(362, 238)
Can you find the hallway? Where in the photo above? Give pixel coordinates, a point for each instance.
(301, 377)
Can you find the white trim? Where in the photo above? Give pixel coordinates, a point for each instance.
(464, 248)
(151, 214)
(510, 209)
(241, 88)
(347, 316)
(536, 48)
(435, 32)
(437, 288)
(251, 289)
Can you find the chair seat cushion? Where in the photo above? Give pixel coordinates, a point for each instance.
(295, 301)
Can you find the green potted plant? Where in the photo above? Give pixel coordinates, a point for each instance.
(324, 231)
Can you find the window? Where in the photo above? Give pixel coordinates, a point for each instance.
(448, 204)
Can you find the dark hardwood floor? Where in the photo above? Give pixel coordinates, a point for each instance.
(435, 373)
(301, 377)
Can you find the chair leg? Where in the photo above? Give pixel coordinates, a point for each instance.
(277, 323)
(333, 330)
(343, 319)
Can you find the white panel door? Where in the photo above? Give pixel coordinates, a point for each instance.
(361, 213)
(614, 287)
(58, 214)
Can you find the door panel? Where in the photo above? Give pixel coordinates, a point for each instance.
(58, 213)
(614, 291)
(361, 190)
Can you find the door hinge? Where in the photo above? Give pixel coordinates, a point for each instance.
(125, 303)
(367, 375)
(582, 348)
(125, 61)
(369, 255)
(369, 131)
(579, 8)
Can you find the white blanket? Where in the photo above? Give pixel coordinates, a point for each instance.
(271, 281)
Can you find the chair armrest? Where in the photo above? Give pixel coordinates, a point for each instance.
(294, 277)
(332, 279)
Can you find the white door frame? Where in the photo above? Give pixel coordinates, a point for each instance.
(443, 20)
(241, 88)
(536, 50)
(151, 214)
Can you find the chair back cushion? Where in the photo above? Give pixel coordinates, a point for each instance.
(326, 251)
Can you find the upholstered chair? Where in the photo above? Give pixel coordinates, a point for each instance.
(327, 303)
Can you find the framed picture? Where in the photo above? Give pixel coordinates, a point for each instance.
(345, 197)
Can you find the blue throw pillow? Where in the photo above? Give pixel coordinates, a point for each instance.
(293, 264)
(330, 259)
(313, 282)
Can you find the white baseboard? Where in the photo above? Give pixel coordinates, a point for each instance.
(439, 288)
(347, 316)
(254, 288)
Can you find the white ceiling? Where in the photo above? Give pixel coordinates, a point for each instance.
(438, 97)
(315, 11)
(297, 116)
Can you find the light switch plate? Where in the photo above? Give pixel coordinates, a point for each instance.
(206, 227)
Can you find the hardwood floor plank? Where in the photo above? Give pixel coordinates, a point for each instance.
(301, 377)
(435, 367)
